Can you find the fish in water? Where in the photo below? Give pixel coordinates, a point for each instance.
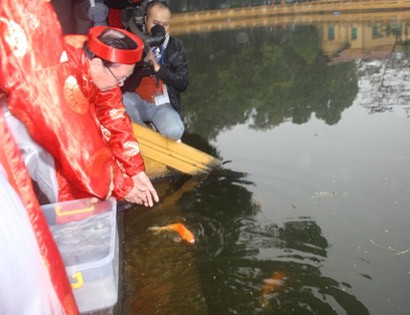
(273, 283)
(179, 228)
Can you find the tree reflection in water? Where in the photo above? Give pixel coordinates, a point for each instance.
(274, 76)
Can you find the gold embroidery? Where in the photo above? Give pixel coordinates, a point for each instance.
(106, 133)
(16, 38)
(117, 113)
(74, 97)
(131, 148)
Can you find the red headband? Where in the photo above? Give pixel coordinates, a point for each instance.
(124, 56)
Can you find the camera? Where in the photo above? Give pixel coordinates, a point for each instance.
(133, 14)
(154, 38)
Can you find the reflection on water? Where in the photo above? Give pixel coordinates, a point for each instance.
(235, 256)
(234, 279)
(384, 84)
(313, 204)
(277, 75)
(160, 273)
(274, 74)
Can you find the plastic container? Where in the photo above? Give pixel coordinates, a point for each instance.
(86, 235)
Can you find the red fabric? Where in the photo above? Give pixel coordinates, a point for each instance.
(11, 160)
(43, 94)
(55, 116)
(147, 88)
(114, 18)
(52, 99)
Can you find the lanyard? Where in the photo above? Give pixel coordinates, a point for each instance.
(161, 62)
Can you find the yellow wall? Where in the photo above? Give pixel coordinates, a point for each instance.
(369, 36)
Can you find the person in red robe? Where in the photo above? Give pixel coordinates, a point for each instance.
(65, 98)
(36, 85)
(104, 60)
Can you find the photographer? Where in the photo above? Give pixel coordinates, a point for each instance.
(152, 93)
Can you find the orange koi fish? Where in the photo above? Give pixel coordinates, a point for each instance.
(273, 283)
(179, 228)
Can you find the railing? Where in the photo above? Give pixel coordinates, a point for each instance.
(317, 7)
(200, 22)
(199, 25)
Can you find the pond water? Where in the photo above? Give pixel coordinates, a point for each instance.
(309, 213)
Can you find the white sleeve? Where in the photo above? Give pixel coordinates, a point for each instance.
(25, 286)
(39, 163)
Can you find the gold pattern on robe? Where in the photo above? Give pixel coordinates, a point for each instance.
(74, 97)
(15, 37)
(31, 18)
(131, 148)
(117, 113)
(106, 133)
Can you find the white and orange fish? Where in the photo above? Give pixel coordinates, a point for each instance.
(273, 283)
(179, 228)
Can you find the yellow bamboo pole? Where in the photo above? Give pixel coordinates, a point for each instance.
(176, 155)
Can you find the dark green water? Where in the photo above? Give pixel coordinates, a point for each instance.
(314, 131)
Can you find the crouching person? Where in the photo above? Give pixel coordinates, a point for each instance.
(153, 92)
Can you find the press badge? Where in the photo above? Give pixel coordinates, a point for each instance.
(162, 98)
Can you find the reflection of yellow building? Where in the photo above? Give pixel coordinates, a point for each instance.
(354, 34)
(344, 41)
(336, 37)
(301, 13)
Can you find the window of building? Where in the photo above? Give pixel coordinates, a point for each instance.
(354, 33)
(331, 33)
(375, 32)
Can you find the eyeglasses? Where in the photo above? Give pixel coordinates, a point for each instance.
(119, 82)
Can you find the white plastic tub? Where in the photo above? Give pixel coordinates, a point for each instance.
(86, 235)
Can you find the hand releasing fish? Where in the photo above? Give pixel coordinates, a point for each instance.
(179, 228)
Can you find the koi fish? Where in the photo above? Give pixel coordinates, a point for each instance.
(273, 283)
(179, 228)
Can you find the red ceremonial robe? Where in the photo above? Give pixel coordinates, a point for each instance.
(59, 105)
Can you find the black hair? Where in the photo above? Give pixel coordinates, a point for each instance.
(153, 3)
(110, 37)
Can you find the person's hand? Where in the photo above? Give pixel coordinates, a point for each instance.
(144, 189)
(134, 196)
